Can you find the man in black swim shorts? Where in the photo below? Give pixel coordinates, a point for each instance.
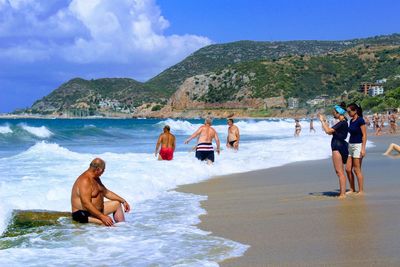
(232, 140)
(87, 198)
(204, 149)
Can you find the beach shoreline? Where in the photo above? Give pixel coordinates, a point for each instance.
(289, 215)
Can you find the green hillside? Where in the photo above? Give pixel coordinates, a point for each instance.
(301, 69)
(218, 56)
(306, 77)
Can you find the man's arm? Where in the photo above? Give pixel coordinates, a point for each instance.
(112, 196)
(217, 141)
(85, 194)
(196, 133)
(173, 143)
(158, 144)
(236, 144)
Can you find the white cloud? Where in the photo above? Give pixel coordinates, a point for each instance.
(92, 31)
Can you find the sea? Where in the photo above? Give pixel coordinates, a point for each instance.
(41, 158)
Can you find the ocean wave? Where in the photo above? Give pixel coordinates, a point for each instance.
(41, 132)
(5, 129)
(273, 128)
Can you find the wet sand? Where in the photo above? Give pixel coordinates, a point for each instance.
(290, 215)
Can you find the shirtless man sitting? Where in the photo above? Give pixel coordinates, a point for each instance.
(205, 149)
(87, 198)
(167, 142)
(232, 141)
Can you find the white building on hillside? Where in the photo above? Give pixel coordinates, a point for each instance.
(376, 90)
(293, 103)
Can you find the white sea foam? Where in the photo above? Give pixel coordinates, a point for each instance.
(41, 132)
(5, 129)
(271, 128)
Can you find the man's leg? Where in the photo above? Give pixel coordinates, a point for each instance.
(95, 220)
(115, 208)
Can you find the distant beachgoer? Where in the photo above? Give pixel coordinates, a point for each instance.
(297, 128)
(357, 144)
(382, 122)
(312, 124)
(205, 149)
(232, 140)
(378, 127)
(339, 145)
(375, 120)
(167, 142)
(367, 121)
(87, 198)
(392, 147)
(393, 124)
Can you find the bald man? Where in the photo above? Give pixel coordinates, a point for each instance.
(205, 149)
(87, 198)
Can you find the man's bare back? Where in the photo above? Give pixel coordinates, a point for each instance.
(205, 134)
(167, 142)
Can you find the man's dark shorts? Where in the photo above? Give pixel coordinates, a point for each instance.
(205, 155)
(81, 216)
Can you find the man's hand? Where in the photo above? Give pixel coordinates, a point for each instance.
(155, 154)
(127, 208)
(107, 221)
(187, 141)
(236, 144)
(218, 150)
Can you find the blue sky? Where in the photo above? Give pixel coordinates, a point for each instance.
(46, 43)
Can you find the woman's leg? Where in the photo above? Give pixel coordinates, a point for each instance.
(350, 174)
(338, 165)
(359, 174)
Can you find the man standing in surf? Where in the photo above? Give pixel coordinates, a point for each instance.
(87, 198)
(232, 140)
(167, 142)
(205, 149)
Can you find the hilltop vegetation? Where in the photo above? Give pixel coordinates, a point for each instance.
(305, 77)
(219, 56)
(241, 70)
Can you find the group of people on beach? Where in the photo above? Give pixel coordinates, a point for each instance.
(205, 135)
(88, 192)
(378, 122)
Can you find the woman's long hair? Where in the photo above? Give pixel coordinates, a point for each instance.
(357, 108)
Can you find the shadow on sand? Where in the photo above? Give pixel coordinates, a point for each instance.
(334, 194)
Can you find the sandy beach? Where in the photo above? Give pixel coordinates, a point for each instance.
(290, 215)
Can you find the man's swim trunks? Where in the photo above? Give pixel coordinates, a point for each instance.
(232, 142)
(81, 216)
(205, 151)
(167, 153)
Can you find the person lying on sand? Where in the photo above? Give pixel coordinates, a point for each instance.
(392, 147)
(87, 198)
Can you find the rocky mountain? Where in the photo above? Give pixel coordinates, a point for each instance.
(239, 75)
